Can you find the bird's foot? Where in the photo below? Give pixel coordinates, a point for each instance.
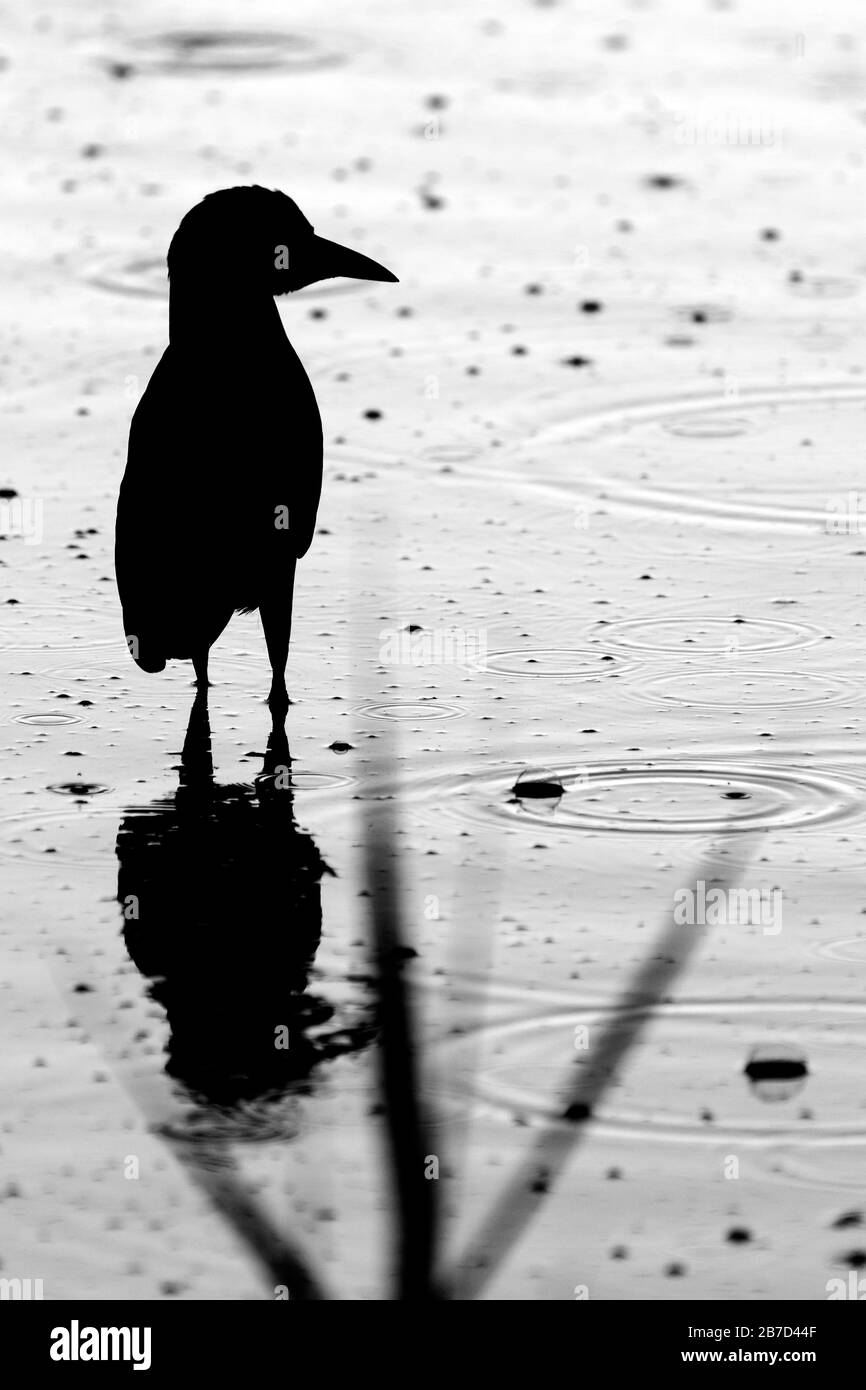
(199, 666)
(278, 699)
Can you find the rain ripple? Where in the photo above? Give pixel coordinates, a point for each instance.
(227, 51)
(687, 1082)
(694, 795)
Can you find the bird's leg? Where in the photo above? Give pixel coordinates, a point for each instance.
(277, 624)
(199, 663)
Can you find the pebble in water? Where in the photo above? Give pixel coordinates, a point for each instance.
(848, 1218)
(537, 788)
(776, 1072)
(77, 788)
(738, 1235)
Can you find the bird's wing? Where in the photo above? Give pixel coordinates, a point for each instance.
(156, 540)
(137, 531)
(299, 445)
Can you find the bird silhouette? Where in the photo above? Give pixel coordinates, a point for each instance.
(224, 467)
(220, 893)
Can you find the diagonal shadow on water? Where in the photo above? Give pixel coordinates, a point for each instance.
(525, 1192)
(406, 1120)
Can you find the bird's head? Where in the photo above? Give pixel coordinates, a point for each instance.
(256, 239)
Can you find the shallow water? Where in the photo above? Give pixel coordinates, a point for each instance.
(651, 514)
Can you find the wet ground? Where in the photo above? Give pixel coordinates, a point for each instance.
(603, 445)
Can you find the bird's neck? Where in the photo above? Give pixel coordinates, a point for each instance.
(213, 322)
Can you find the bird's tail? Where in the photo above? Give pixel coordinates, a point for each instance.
(145, 652)
(150, 662)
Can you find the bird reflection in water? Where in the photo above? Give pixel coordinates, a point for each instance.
(221, 896)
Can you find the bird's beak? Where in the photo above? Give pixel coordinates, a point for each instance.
(328, 259)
